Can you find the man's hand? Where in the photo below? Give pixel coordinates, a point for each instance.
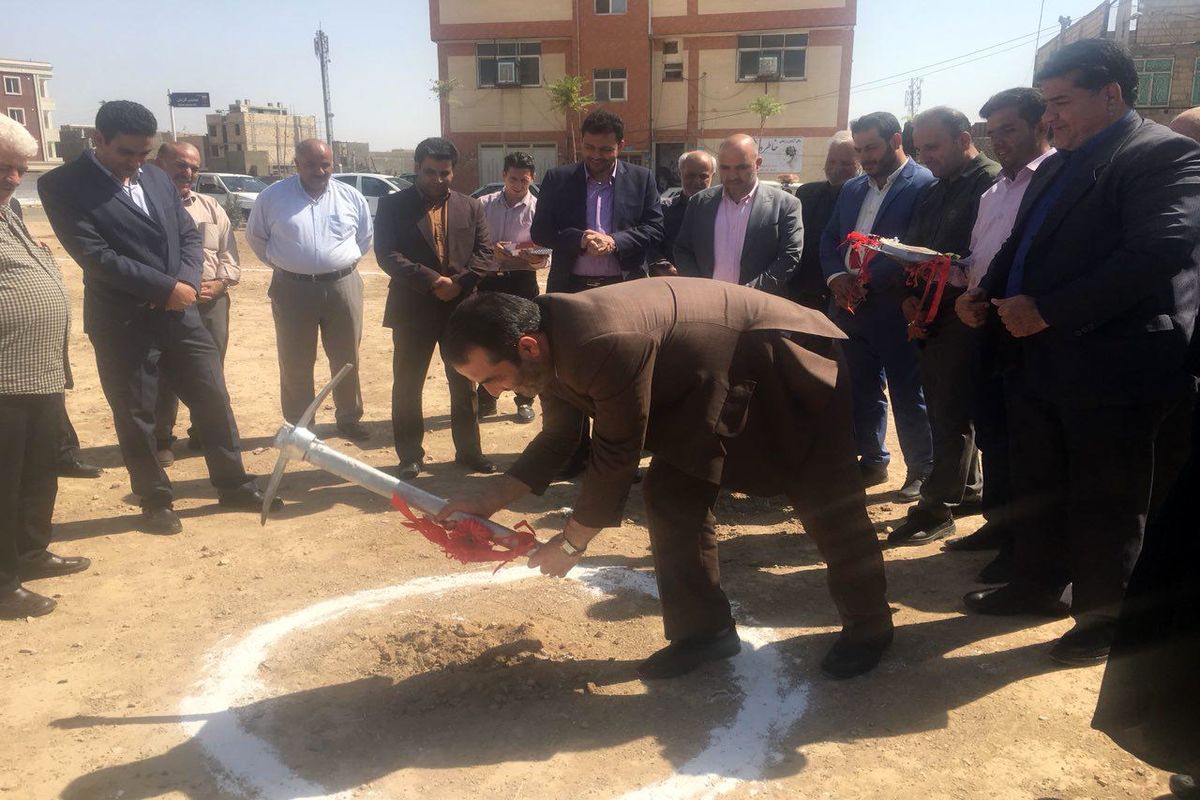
(911, 308)
(211, 290)
(1020, 315)
(445, 289)
(533, 259)
(598, 244)
(493, 494)
(552, 560)
(847, 291)
(181, 297)
(972, 308)
(503, 257)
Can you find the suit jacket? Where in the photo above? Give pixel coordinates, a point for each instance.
(817, 199)
(129, 259)
(1113, 268)
(673, 210)
(771, 250)
(892, 221)
(402, 226)
(719, 380)
(561, 219)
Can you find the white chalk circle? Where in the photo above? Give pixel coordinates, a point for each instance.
(736, 753)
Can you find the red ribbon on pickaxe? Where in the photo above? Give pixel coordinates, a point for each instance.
(470, 541)
(935, 273)
(863, 248)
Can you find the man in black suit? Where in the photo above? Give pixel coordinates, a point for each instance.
(435, 245)
(696, 170)
(1096, 289)
(141, 257)
(817, 199)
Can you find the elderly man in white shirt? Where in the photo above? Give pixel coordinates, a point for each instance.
(312, 231)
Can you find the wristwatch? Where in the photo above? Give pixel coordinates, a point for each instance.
(571, 549)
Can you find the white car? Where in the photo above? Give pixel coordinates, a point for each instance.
(220, 185)
(372, 185)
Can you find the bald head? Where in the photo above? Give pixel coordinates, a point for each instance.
(1188, 123)
(738, 163)
(696, 169)
(314, 163)
(181, 161)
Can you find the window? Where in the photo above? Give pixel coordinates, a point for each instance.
(349, 180)
(42, 87)
(1154, 80)
(608, 85)
(237, 130)
(373, 187)
(671, 47)
(673, 72)
(772, 57)
(509, 64)
(214, 150)
(212, 130)
(610, 6)
(17, 114)
(209, 185)
(1196, 84)
(12, 85)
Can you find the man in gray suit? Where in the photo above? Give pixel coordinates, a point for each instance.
(741, 231)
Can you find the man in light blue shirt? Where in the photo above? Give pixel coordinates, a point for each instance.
(312, 231)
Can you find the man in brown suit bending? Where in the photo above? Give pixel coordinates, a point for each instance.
(727, 387)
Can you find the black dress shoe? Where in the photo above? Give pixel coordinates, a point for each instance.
(989, 537)
(354, 431)
(20, 603)
(910, 492)
(1011, 600)
(74, 468)
(872, 474)
(486, 410)
(1000, 569)
(1085, 644)
(920, 528)
(194, 444)
(571, 471)
(407, 470)
(160, 521)
(246, 497)
(52, 566)
(682, 656)
(525, 414)
(478, 464)
(1184, 787)
(849, 658)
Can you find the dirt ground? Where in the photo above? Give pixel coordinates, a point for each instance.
(524, 689)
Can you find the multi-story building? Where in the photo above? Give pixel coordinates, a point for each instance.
(351, 156)
(392, 162)
(27, 99)
(681, 73)
(1164, 38)
(251, 138)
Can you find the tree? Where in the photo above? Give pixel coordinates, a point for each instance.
(442, 91)
(568, 99)
(765, 107)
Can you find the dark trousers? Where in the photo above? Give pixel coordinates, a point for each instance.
(1084, 481)
(30, 430)
(990, 414)
(130, 359)
(68, 439)
(880, 356)
(215, 318)
(413, 338)
(522, 283)
(947, 356)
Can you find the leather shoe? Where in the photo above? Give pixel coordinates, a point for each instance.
(1085, 644)
(52, 566)
(989, 537)
(1011, 600)
(354, 431)
(407, 470)
(74, 468)
(572, 470)
(1184, 787)
(20, 603)
(910, 492)
(683, 656)
(476, 464)
(160, 521)
(920, 528)
(849, 658)
(166, 458)
(1000, 569)
(525, 414)
(872, 474)
(486, 409)
(246, 497)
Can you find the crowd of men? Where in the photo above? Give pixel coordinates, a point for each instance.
(1043, 381)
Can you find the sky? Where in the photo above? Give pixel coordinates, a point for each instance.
(382, 61)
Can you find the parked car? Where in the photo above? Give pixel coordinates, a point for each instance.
(221, 185)
(372, 185)
(495, 186)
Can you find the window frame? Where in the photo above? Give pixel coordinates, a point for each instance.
(20, 111)
(609, 81)
(1196, 83)
(609, 5)
(1140, 64)
(672, 66)
(766, 50)
(517, 57)
(16, 78)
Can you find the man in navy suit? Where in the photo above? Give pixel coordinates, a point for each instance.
(600, 217)
(880, 202)
(142, 259)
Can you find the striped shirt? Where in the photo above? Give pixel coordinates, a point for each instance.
(34, 313)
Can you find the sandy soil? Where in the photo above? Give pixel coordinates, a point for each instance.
(521, 690)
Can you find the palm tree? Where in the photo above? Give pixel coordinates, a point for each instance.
(568, 99)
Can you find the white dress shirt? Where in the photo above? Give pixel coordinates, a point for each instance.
(293, 231)
(132, 187)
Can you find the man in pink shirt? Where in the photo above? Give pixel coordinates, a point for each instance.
(1019, 137)
(741, 231)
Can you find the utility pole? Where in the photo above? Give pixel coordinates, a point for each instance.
(321, 48)
(912, 96)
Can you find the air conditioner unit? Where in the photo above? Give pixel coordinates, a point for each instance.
(768, 67)
(506, 74)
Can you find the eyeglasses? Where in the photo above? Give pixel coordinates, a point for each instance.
(183, 165)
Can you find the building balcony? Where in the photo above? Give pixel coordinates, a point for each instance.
(48, 104)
